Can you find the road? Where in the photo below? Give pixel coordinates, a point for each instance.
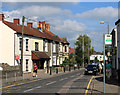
(74, 82)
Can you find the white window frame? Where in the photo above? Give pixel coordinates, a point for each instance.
(46, 46)
(54, 60)
(54, 47)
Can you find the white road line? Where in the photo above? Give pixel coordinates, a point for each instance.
(50, 83)
(38, 87)
(28, 90)
(63, 79)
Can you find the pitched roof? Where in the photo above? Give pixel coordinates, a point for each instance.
(64, 40)
(50, 33)
(29, 31)
(37, 55)
(71, 50)
(117, 21)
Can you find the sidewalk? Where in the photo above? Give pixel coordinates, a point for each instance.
(28, 77)
(112, 87)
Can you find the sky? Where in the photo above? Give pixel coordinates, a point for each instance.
(68, 19)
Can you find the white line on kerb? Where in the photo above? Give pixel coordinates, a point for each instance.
(28, 90)
(50, 83)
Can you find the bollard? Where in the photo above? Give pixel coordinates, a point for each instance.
(15, 76)
(50, 71)
(74, 68)
(69, 69)
(56, 70)
(6, 77)
(64, 69)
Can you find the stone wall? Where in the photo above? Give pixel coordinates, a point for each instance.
(10, 71)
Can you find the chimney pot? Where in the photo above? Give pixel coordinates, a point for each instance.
(47, 27)
(1, 17)
(17, 21)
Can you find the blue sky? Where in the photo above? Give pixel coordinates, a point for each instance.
(69, 19)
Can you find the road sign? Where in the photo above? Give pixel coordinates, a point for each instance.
(108, 39)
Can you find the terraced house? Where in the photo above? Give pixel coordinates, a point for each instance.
(40, 45)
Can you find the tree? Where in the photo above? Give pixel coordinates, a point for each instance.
(79, 49)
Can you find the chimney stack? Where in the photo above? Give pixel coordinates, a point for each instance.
(1, 17)
(29, 24)
(17, 21)
(43, 24)
(47, 27)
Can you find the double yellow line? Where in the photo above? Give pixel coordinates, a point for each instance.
(88, 85)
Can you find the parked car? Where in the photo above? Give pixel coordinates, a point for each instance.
(91, 69)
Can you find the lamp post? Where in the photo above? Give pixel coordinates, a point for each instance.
(104, 70)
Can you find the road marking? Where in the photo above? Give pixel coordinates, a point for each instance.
(38, 87)
(28, 90)
(19, 84)
(63, 79)
(50, 83)
(29, 82)
(88, 85)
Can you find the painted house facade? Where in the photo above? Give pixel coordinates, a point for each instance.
(114, 52)
(39, 45)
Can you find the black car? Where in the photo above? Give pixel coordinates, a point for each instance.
(91, 69)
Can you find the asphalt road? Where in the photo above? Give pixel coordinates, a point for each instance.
(74, 82)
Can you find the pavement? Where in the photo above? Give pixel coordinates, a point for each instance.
(112, 86)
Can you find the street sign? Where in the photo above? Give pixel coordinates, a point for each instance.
(108, 39)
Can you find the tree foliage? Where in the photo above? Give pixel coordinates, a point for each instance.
(79, 49)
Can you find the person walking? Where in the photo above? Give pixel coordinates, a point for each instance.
(108, 70)
(35, 70)
(100, 68)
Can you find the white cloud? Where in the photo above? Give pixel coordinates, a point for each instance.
(40, 11)
(72, 26)
(100, 13)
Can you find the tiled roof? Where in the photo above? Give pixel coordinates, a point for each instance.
(71, 50)
(29, 31)
(37, 55)
(50, 33)
(64, 40)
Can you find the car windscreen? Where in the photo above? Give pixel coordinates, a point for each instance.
(91, 66)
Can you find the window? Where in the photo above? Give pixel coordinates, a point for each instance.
(65, 48)
(46, 46)
(54, 61)
(26, 44)
(36, 46)
(20, 43)
(26, 64)
(54, 47)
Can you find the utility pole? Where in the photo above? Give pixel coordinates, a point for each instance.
(104, 62)
(83, 51)
(23, 20)
(88, 51)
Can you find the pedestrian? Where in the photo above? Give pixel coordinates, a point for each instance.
(35, 70)
(100, 68)
(108, 70)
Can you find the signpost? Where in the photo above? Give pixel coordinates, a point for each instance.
(107, 40)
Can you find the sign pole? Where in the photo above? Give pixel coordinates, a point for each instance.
(104, 62)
